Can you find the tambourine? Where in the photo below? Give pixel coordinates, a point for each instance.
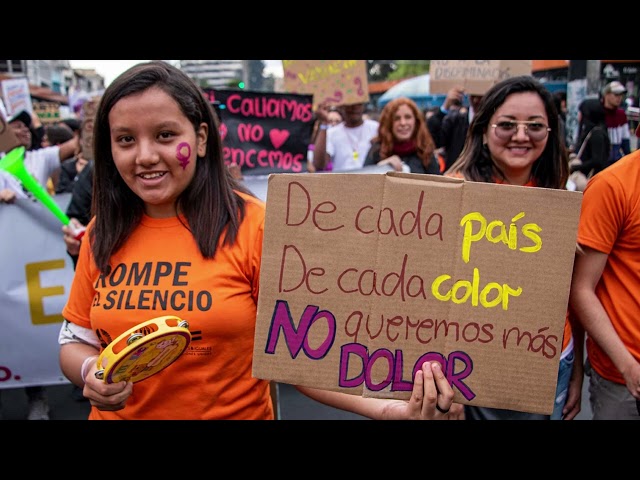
(144, 350)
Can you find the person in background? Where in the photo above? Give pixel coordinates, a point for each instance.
(334, 117)
(560, 99)
(37, 132)
(616, 120)
(403, 139)
(605, 288)
(593, 139)
(70, 172)
(430, 112)
(344, 146)
(453, 101)
(79, 209)
(454, 130)
(41, 164)
(514, 139)
(79, 213)
(56, 134)
(163, 195)
(74, 124)
(632, 111)
(434, 125)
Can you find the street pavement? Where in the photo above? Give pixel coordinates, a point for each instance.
(292, 405)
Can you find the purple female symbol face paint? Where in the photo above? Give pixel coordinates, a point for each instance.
(183, 153)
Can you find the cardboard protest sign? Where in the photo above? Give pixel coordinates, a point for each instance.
(475, 76)
(16, 95)
(264, 132)
(48, 112)
(338, 82)
(365, 277)
(88, 117)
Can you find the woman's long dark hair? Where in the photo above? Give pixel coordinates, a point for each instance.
(592, 115)
(209, 203)
(550, 170)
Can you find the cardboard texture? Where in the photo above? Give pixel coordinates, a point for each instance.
(48, 112)
(88, 116)
(337, 82)
(364, 277)
(475, 76)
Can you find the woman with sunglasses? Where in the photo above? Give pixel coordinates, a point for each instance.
(515, 139)
(593, 141)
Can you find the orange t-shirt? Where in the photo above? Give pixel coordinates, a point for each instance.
(566, 338)
(160, 271)
(610, 223)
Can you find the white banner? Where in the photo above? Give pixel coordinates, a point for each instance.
(34, 286)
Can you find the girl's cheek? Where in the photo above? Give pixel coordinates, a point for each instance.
(183, 154)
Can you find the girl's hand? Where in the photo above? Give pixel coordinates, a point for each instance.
(431, 398)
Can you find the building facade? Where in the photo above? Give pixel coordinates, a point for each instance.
(55, 88)
(214, 73)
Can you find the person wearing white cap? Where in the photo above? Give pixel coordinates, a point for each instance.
(616, 120)
(41, 163)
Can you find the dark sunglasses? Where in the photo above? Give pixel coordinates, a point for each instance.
(536, 131)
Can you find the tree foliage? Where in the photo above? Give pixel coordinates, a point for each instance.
(379, 70)
(409, 68)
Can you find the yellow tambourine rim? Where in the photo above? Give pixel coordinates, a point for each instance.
(144, 350)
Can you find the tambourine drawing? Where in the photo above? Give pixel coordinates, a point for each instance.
(144, 350)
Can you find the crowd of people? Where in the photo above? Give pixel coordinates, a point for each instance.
(167, 167)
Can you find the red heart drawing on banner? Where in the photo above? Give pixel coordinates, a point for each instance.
(223, 131)
(278, 137)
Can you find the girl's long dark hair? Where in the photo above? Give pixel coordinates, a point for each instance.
(550, 170)
(209, 203)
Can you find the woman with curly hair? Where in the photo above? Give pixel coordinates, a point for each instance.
(403, 139)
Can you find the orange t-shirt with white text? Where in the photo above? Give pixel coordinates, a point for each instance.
(160, 271)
